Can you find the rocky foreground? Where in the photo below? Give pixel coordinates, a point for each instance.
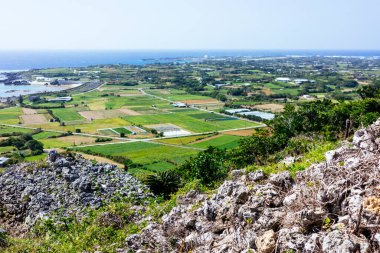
(63, 185)
(333, 206)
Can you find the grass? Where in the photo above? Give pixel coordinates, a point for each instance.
(176, 95)
(122, 130)
(107, 132)
(9, 130)
(149, 155)
(209, 116)
(10, 115)
(6, 149)
(67, 114)
(44, 135)
(221, 141)
(292, 91)
(189, 122)
(184, 140)
(36, 158)
(313, 156)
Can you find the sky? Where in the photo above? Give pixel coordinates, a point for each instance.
(189, 24)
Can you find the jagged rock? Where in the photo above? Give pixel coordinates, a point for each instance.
(291, 238)
(65, 183)
(237, 173)
(317, 212)
(341, 242)
(282, 179)
(266, 243)
(256, 176)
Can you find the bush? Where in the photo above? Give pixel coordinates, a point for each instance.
(163, 183)
(3, 238)
(208, 166)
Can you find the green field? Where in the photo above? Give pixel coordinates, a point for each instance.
(176, 95)
(184, 140)
(188, 121)
(9, 130)
(122, 130)
(67, 114)
(44, 135)
(221, 141)
(10, 115)
(150, 155)
(6, 149)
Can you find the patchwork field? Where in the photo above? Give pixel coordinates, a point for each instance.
(192, 120)
(220, 141)
(29, 111)
(34, 119)
(67, 141)
(67, 114)
(245, 132)
(10, 130)
(102, 114)
(10, 115)
(153, 157)
(275, 108)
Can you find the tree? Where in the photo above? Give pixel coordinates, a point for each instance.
(20, 100)
(370, 91)
(163, 183)
(35, 146)
(208, 166)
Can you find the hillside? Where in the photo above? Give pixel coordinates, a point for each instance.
(330, 207)
(69, 204)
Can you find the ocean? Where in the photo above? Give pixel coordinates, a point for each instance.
(24, 60)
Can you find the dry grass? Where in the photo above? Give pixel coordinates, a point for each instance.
(34, 119)
(101, 159)
(270, 107)
(130, 112)
(200, 101)
(245, 132)
(29, 111)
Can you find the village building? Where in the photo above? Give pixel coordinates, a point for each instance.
(3, 161)
(283, 79)
(60, 99)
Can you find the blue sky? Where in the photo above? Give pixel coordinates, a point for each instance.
(189, 24)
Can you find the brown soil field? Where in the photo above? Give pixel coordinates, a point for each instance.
(206, 139)
(270, 107)
(101, 159)
(131, 94)
(77, 139)
(200, 101)
(267, 91)
(107, 114)
(34, 119)
(130, 112)
(29, 111)
(245, 132)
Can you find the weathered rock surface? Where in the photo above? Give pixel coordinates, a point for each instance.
(332, 206)
(64, 183)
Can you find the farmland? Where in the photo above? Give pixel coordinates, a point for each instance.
(152, 157)
(159, 115)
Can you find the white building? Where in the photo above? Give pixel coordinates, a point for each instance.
(233, 111)
(282, 79)
(3, 161)
(179, 104)
(60, 99)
